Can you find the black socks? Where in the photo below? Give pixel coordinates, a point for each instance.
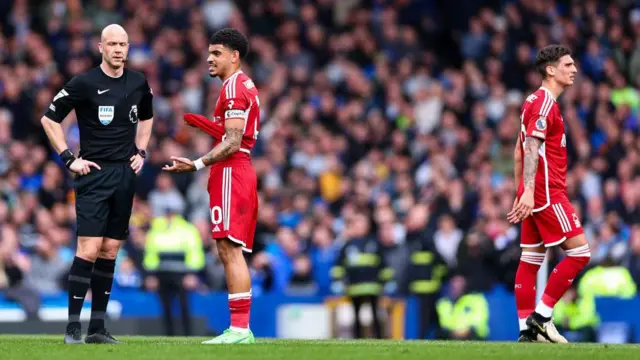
(79, 281)
(101, 281)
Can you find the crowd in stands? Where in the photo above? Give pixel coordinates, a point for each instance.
(404, 111)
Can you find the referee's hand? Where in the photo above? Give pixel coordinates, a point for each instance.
(82, 167)
(136, 162)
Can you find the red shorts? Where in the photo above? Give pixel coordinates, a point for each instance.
(233, 200)
(550, 226)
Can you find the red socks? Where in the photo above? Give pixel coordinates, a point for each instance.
(525, 287)
(239, 307)
(562, 277)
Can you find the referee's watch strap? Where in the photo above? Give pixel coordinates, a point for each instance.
(199, 164)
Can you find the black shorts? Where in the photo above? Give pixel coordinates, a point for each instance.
(104, 199)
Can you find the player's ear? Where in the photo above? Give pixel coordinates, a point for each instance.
(551, 70)
(100, 47)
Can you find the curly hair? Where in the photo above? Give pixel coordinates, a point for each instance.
(550, 55)
(231, 39)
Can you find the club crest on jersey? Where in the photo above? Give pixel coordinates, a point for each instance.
(105, 114)
(541, 124)
(576, 221)
(133, 114)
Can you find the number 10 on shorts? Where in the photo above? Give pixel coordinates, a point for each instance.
(216, 217)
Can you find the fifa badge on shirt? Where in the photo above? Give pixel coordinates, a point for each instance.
(105, 114)
(541, 124)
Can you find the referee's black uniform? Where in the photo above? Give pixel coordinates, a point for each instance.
(108, 110)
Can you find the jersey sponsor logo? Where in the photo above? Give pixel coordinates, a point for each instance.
(105, 114)
(61, 93)
(541, 124)
(229, 114)
(133, 114)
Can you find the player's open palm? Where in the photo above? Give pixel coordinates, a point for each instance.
(180, 164)
(82, 167)
(522, 208)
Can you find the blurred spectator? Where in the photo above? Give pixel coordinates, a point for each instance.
(463, 315)
(173, 256)
(576, 316)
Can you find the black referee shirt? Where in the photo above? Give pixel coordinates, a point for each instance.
(108, 110)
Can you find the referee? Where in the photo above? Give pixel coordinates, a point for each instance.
(115, 114)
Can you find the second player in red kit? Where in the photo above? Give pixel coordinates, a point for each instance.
(233, 194)
(555, 219)
(542, 202)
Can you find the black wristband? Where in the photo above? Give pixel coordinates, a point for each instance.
(67, 157)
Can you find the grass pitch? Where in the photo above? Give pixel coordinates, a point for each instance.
(180, 348)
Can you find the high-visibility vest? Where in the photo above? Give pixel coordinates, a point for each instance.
(471, 311)
(173, 246)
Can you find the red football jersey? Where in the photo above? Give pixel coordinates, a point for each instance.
(540, 118)
(239, 99)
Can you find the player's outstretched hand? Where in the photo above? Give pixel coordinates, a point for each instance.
(521, 209)
(136, 162)
(82, 167)
(180, 164)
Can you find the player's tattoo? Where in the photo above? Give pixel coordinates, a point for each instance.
(230, 144)
(531, 147)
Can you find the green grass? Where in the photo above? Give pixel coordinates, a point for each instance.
(48, 347)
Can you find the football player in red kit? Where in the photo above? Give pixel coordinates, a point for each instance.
(232, 180)
(542, 202)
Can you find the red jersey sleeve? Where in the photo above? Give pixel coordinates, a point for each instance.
(214, 129)
(537, 118)
(236, 107)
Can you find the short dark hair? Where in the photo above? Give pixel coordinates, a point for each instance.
(232, 39)
(550, 55)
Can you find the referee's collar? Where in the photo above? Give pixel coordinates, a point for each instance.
(109, 76)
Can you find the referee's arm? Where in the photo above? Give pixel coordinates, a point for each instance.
(60, 107)
(143, 134)
(146, 118)
(55, 133)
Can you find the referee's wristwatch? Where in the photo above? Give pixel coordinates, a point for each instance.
(142, 153)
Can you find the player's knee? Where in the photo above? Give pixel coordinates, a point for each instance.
(577, 246)
(580, 252)
(88, 248)
(109, 249)
(228, 251)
